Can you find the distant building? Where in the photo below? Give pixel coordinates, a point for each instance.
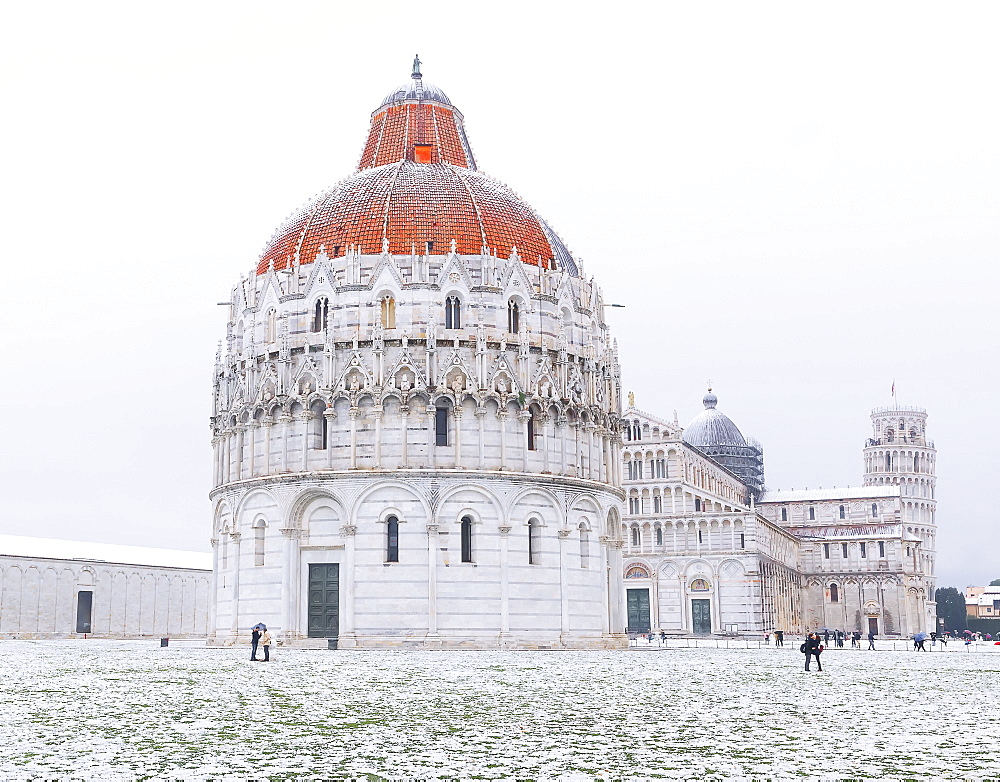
(71, 589)
(709, 550)
(982, 602)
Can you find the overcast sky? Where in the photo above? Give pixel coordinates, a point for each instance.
(798, 201)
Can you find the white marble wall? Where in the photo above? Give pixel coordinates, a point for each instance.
(38, 599)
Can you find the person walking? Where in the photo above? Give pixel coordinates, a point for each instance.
(265, 641)
(254, 641)
(812, 648)
(779, 637)
(871, 642)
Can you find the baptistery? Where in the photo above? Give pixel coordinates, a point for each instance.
(416, 414)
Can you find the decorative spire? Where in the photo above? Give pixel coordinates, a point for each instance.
(416, 68)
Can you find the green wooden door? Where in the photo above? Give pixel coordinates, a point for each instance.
(638, 610)
(701, 617)
(324, 601)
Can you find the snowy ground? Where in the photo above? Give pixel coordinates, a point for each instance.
(108, 709)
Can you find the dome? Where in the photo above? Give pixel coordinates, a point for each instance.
(417, 189)
(416, 207)
(415, 89)
(711, 428)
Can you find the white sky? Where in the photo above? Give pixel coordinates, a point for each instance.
(798, 201)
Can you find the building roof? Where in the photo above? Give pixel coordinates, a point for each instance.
(712, 428)
(852, 531)
(50, 548)
(819, 495)
(417, 189)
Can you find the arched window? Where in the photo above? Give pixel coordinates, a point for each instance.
(441, 425)
(271, 332)
(635, 536)
(916, 463)
(834, 594)
(321, 314)
(388, 312)
(452, 313)
(888, 463)
(843, 512)
(812, 514)
(467, 539)
(258, 542)
(584, 546)
(659, 534)
(534, 541)
(392, 539)
(874, 509)
(784, 514)
(881, 550)
(697, 503)
(513, 317)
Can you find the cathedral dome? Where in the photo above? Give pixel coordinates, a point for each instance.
(711, 428)
(417, 189)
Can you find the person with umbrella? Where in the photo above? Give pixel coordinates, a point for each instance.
(918, 642)
(255, 640)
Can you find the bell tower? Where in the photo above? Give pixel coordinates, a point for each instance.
(899, 453)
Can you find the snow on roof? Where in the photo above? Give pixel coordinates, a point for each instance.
(843, 493)
(854, 531)
(50, 548)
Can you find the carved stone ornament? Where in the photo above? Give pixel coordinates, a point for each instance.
(348, 531)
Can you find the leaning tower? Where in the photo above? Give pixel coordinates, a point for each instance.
(900, 454)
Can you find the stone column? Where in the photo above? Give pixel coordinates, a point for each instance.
(404, 417)
(288, 586)
(564, 585)
(605, 567)
(240, 429)
(431, 435)
(268, 425)
(377, 415)
(546, 421)
(252, 459)
(286, 432)
(456, 415)
(330, 415)
(504, 530)
(306, 417)
(212, 605)
(654, 595)
(617, 607)
(234, 629)
(432, 558)
(560, 434)
(481, 418)
(503, 415)
(347, 630)
(354, 413)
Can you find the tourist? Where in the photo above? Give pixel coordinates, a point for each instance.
(265, 641)
(812, 647)
(826, 636)
(871, 641)
(779, 637)
(254, 640)
(856, 639)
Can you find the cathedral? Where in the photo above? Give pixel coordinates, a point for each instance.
(710, 550)
(418, 440)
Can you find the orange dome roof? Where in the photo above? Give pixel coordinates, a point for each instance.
(418, 188)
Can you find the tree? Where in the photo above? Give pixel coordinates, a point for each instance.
(951, 608)
(995, 582)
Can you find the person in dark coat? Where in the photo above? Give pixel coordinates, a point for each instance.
(871, 642)
(812, 649)
(826, 637)
(254, 640)
(779, 637)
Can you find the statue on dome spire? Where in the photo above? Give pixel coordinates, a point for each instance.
(416, 68)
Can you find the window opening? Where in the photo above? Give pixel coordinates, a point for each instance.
(864, 551)
(321, 314)
(392, 539)
(743, 540)
(534, 538)
(452, 313)
(440, 426)
(531, 431)
(834, 594)
(843, 550)
(843, 512)
(466, 539)
(584, 546)
(513, 317)
(881, 550)
(258, 544)
(388, 312)
(826, 551)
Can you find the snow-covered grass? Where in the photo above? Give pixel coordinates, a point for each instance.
(110, 709)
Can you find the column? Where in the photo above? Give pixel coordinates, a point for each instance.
(286, 431)
(404, 419)
(560, 434)
(330, 415)
(523, 417)
(432, 558)
(355, 412)
(503, 415)
(504, 530)
(654, 595)
(564, 584)
(252, 469)
(481, 417)
(456, 416)
(287, 586)
(377, 415)
(347, 630)
(268, 425)
(234, 629)
(240, 429)
(306, 417)
(215, 592)
(617, 612)
(546, 421)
